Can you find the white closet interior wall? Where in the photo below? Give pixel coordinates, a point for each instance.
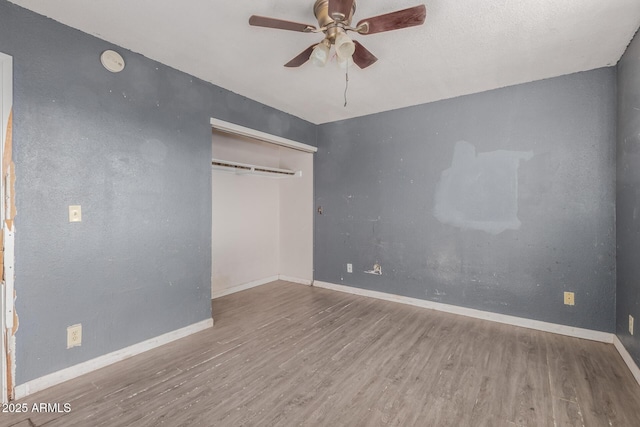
(262, 227)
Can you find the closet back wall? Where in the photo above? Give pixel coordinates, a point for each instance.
(245, 221)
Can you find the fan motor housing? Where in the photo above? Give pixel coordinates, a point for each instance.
(321, 12)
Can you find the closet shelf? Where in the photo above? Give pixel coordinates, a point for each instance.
(247, 169)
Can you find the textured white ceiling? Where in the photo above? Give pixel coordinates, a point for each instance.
(465, 46)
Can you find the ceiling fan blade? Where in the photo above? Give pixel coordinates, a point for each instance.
(393, 21)
(362, 57)
(302, 58)
(263, 21)
(340, 7)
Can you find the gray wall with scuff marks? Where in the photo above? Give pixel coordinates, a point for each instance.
(134, 150)
(628, 199)
(498, 201)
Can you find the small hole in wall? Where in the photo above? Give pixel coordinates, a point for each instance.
(377, 269)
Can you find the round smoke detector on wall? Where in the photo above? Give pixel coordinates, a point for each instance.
(112, 61)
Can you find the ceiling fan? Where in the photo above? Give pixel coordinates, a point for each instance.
(334, 20)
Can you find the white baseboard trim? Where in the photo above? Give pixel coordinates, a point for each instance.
(243, 287)
(477, 314)
(635, 370)
(295, 280)
(75, 371)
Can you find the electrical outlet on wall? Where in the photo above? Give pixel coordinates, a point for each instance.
(569, 298)
(349, 268)
(631, 324)
(74, 335)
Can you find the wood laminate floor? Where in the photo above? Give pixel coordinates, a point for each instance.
(288, 355)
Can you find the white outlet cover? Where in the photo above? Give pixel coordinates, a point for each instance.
(74, 335)
(349, 268)
(569, 298)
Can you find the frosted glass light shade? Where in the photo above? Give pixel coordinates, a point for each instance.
(344, 46)
(320, 55)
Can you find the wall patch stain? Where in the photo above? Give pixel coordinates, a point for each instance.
(480, 191)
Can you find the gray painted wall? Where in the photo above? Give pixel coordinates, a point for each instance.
(134, 150)
(498, 201)
(628, 198)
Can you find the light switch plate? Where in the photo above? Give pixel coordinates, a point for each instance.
(75, 213)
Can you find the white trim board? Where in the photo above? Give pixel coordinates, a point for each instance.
(243, 287)
(7, 346)
(295, 280)
(631, 364)
(6, 63)
(477, 314)
(75, 371)
(4, 397)
(235, 129)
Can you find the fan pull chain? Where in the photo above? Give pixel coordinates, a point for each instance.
(346, 84)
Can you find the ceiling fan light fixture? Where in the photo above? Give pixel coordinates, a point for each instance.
(334, 20)
(320, 54)
(344, 46)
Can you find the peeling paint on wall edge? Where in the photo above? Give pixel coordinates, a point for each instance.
(8, 235)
